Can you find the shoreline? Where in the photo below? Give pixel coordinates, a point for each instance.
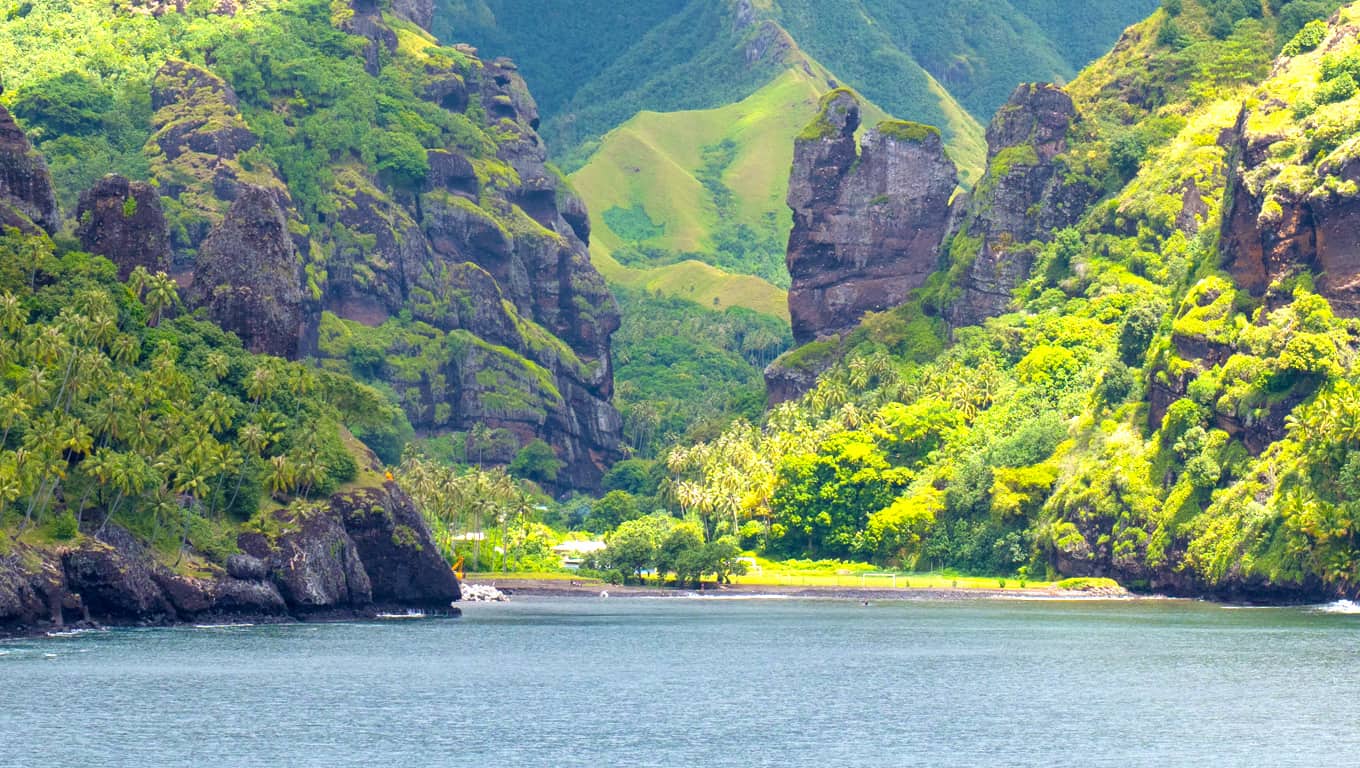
(336, 616)
(558, 588)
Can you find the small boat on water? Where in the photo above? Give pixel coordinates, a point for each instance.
(411, 613)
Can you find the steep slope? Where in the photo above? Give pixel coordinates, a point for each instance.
(1167, 393)
(869, 216)
(138, 446)
(336, 183)
(676, 56)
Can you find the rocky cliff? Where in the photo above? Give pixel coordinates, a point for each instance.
(868, 217)
(474, 246)
(1021, 200)
(123, 221)
(504, 270)
(358, 553)
(26, 198)
(1293, 201)
(873, 222)
(249, 277)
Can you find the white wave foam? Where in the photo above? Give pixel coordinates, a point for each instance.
(71, 632)
(1340, 606)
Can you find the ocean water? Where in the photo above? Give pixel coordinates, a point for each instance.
(677, 682)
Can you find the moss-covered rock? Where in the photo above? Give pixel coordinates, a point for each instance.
(27, 201)
(1023, 198)
(868, 218)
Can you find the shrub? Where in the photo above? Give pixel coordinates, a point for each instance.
(1088, 584)
(1116, 384)
(1337, 89)
(1139, 326)
(1307, 39)
(536, 461)
(65, 527)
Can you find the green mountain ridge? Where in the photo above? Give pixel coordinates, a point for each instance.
(635, 100)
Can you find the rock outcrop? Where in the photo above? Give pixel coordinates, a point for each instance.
(199, 135)
(395, 547)
(359, 552)
(26, 198)
(249, 277)
(506, 271)
(1021, 200)
(1272, 232)
(123, 221)
(867, 220)
(489, 249)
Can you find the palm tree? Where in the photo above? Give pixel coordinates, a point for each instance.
(218, 365)
(479, 435)
(11, 485)
(280, 476)
(13, 314)
(14, 409)
(261, 383)
(129, 475)
(125, 349)
(161, 294)
(216, 412)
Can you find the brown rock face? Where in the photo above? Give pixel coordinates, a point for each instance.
(508, 264)
(1317, 232)
(396, 548)
(249, 277)
(123, 221)
(419, 11)
(1020, 202)
(359, 551)
(867, 220)
(26, 197)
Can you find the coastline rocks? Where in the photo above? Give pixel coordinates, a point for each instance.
(395, 547)
(350, 556)
(483, 593)
(313, 563)
(114, 577)
(868, 219)
(122, 220)
(27, 201)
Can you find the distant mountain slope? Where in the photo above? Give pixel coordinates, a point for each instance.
(677, 118)
(597, 63)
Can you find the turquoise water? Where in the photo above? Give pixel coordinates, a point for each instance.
(676, 682)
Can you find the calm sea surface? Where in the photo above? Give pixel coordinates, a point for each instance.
(703, 682)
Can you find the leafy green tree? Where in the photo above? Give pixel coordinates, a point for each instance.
(536, 461)
(681, 552)
(634, 545)
(610, 511)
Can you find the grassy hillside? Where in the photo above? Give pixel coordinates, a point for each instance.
(594, 66)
